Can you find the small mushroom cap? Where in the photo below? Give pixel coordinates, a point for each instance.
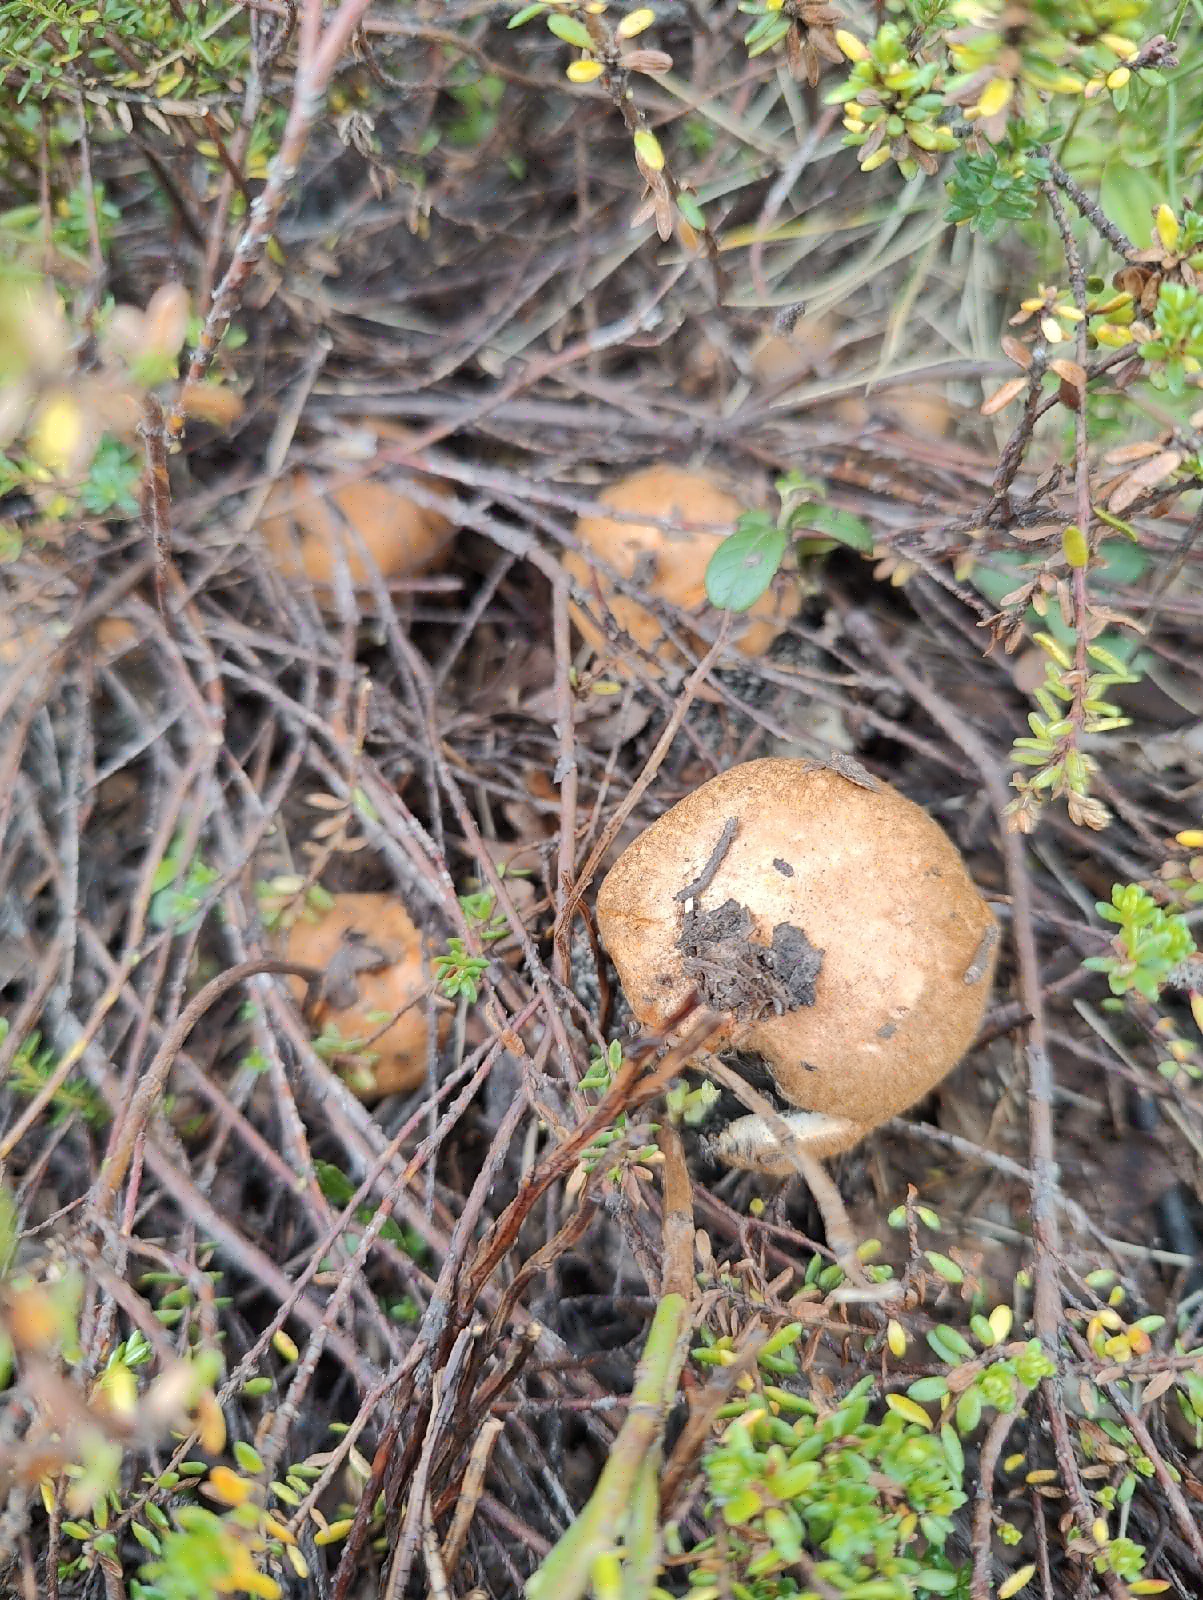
(907, 944)
(671, 566)
(361, 928)
(306, 525)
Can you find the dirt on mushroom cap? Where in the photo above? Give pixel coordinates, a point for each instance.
(866, 877)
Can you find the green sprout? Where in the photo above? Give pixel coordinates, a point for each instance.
(1069, 707)
(112, 480)
(32, 1068)
(1173, 356)
(873, 1499)
(1150, 946)
(603, 1067)
(459, 973)
(999, 184)
(179, 890)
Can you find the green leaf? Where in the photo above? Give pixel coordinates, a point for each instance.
(746, 562)
(333, 1182)
(247, 1457)
(842, 526)
(928, 1389)
(525, 15)
(571, 31)
(649, 149)
(944, 1267)
(167, 871)
(950, 1345)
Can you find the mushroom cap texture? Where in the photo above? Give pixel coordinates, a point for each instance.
(381, 923)
(908, 945)
(670, 566)
(305, 526)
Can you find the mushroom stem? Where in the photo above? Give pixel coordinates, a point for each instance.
(797, 1158)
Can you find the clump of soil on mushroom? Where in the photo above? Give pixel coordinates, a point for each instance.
(736, 973)
(829, 923)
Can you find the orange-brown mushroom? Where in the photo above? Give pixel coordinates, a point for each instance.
(308, 523)
(828, 921)
(371, 954)
(667, 564)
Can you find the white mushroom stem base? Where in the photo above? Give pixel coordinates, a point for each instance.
(757, 1144)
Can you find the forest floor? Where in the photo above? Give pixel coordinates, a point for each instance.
(433, 1306)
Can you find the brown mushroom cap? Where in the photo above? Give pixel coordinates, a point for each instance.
(843, 908)
(805, 348)
(306, 524)
(671, 566)
(369, 926)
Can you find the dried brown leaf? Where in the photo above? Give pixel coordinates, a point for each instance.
(1001, 398)
(1159, 468)
(650, 62)
(1069, 372)
(1157, 1386)
(1017, 351)
(1125, 453)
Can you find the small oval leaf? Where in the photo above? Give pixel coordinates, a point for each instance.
(744, 565)
(571, 31)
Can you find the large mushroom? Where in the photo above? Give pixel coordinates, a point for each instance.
(830, 924)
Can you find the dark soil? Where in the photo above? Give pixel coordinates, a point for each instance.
(735, 973)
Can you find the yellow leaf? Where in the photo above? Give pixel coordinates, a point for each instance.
(635, 22)
(995, 97)
(1113, 337)
(1017, 1581)
(285, 1347)
(210, 1424)
(896, 1338)
(1166, 224)
(647, 147)
(228, 1486)
(335, 1531)
(1000, 1320)
(851, 45)
(1119, 46)
(910, 1409)
(584, 71)
(58, 434)
(1074, 546)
